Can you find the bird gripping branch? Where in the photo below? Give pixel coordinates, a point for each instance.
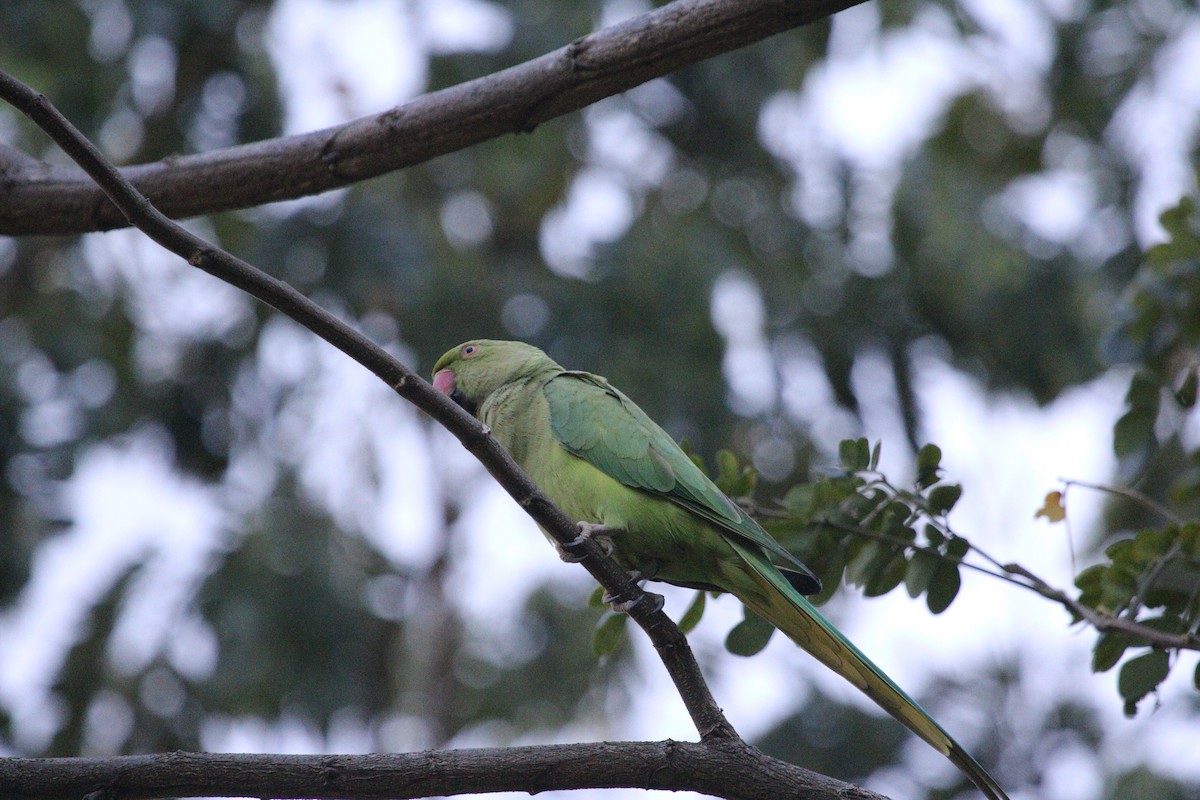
(604, 462)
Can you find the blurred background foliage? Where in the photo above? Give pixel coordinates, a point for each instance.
(714, 243)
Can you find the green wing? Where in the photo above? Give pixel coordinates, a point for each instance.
(598, 423)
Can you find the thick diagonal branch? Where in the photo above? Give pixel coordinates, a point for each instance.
(36, 198)
(671, 644)
(720, 764)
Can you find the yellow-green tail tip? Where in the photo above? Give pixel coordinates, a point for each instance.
(978, 775)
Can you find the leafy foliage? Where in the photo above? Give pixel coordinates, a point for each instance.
(865, 530)
(1152, 576)
(858, 527)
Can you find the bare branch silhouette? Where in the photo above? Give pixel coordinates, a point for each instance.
(37, 198)
(724, 769)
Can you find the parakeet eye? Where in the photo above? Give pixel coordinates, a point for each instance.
(470, 350)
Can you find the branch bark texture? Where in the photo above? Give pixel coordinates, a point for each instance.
(37, 198)
(724, 769)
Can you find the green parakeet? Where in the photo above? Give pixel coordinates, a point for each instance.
(603, 461)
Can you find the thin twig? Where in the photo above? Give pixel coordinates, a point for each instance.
(1151, 578)
(1130, 494)
(1101, 621)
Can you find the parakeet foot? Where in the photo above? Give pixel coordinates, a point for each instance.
(625, 606)
(587, 530)
(646, 572)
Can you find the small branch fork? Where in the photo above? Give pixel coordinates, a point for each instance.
(37, 198)
(1017, 575)
(445, 772)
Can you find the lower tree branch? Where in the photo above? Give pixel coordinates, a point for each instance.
(724, 769)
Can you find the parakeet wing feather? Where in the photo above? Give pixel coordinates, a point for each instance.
(597, 422)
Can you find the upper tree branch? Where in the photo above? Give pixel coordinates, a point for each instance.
(36, 198)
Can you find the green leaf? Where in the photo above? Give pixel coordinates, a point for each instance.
(1177, 219)
(799, 498)
(928, 460)
(829, 493)
(860, 505)
(893, 519)
(875, 455)
(919, 572)
(749, 636)
(1189, 539)
(1108, 652)
(1167, 623)
(942, 498)
(957, 546)
(596, 598)
(943, 587)
(1144, 392)
(1133, 432)
(1151, 543)
(1140, 676)
(694, 612)
(1172, 600)
(609, 634)
(727, 469)
(854, 454)
(888, 577)
(1117, 589)
(1091, 584)
(864, 566)
(1196, 677)
(1120, 550)
(733, 479)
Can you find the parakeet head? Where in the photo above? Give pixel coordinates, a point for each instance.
(473, 370)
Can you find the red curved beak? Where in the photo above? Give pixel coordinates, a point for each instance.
(444, 381)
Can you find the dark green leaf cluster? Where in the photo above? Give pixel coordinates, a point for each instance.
(1160, 334)
(853, 525)
(1153, 577)
(857, 526)
(1150, 579)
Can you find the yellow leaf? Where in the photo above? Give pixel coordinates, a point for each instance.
(1053, 509)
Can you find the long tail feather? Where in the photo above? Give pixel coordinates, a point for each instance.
(771, 596)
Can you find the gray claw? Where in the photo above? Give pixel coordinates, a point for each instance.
(565, 550)
(637, 576)
(625, 606)
(587, 530)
